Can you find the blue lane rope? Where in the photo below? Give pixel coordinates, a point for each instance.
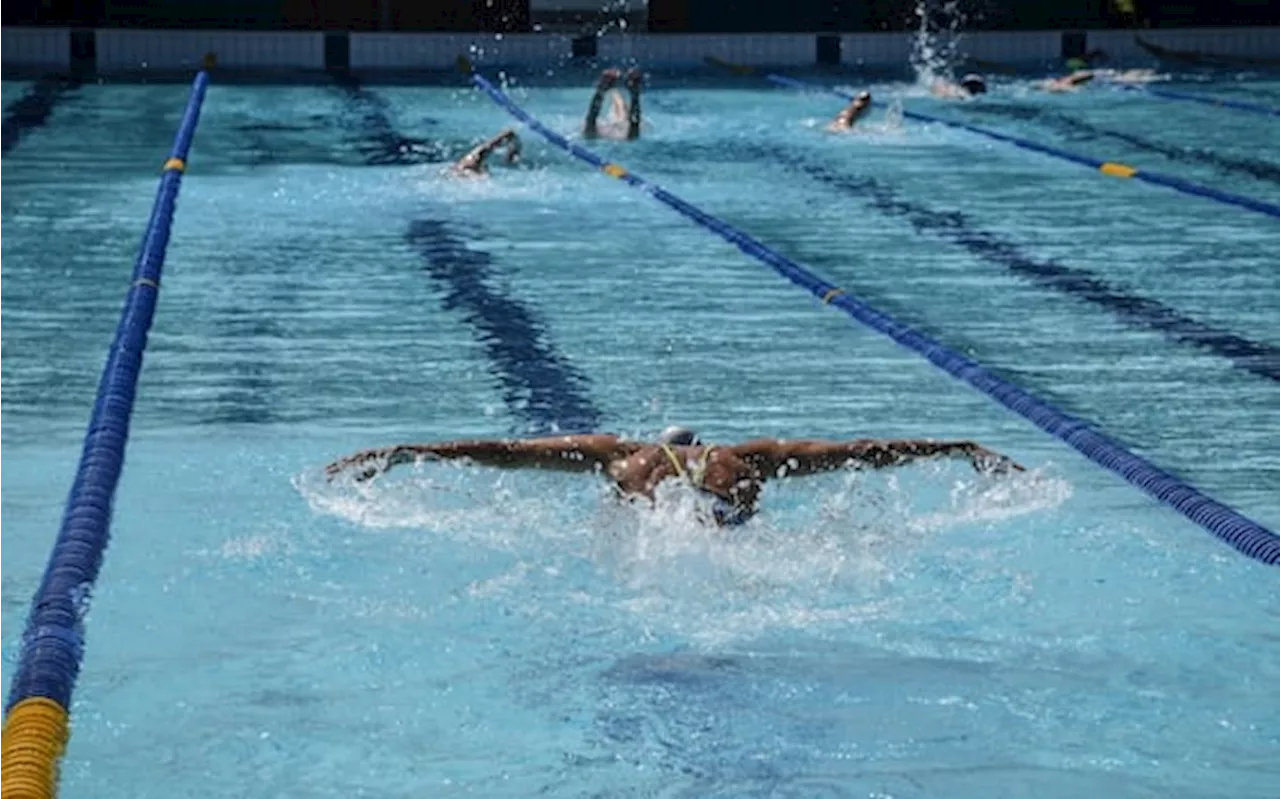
(1243, 533)
(53, 642)
(1256, 357)
(1254, 168)
(1216, 102)
(1107, 167)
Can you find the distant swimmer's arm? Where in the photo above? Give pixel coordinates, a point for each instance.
(607, 79)
(474, 160)
(634, 81)
(580, 453)
(798, 458)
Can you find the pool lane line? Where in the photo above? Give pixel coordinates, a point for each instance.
(1217, 102)
(1255, 357)
(1112, 168)
(36, 712)
(539, 384)
(1134, 310)
(1229, 525)
(33, 109)
(1260, 170)
(380, 144)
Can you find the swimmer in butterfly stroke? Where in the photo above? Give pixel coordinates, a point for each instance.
(731, 474)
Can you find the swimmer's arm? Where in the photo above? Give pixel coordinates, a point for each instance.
(474, 160)
(779, 458)
(590, 127)
(580, 453)
(633, 115)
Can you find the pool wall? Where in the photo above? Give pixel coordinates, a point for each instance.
(119, 51)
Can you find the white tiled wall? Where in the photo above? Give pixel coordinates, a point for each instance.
(1120, 45)
(1014, 47)
(619, 7)
(686, 49)
(129, 50)
(410, 51)
(874, 49)
(36, 47)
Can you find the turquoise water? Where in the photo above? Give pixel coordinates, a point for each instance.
(454, 632)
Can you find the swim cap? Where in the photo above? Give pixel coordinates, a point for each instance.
(681, 436)
(974, 83)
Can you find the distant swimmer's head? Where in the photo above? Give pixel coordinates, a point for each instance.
(680, 436)
(513, 150)
(863, 99)
(973, 83)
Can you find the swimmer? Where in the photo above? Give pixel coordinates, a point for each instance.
(846, 119)
(1130, 76)
(969, 86)
(1068, 83)
(473, 163)
(732, 475)
(614, 127)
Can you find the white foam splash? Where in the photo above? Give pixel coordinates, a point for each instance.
(935, 47)
(820, 557)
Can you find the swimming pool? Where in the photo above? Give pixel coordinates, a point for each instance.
(462, 632)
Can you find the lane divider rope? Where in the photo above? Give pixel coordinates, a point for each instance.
(36, 723)
(1227, 524)
(1217, 102)
(1106, 167)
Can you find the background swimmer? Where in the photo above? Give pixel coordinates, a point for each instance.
(473, 164)
(1068, 83)
(969, 86)
(849, 117)
(624, 120)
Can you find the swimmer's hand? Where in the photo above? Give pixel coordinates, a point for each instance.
(370, 463)
(635, 79)
(986, 461)
(607, 80)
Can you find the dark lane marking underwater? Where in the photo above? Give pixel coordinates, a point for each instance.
(1256, 357)
(539, 384)
(378, 142)
(33, 108)
(1254, 168)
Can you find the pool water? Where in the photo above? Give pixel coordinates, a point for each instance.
(448, 631)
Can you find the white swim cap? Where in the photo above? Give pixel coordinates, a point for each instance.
(675, 434)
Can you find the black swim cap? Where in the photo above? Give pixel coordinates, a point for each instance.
(681, 436)
(974, 83)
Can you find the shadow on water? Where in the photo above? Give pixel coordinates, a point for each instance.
(251, 391)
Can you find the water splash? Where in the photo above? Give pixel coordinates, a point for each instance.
(935, 48)
(825, 552)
